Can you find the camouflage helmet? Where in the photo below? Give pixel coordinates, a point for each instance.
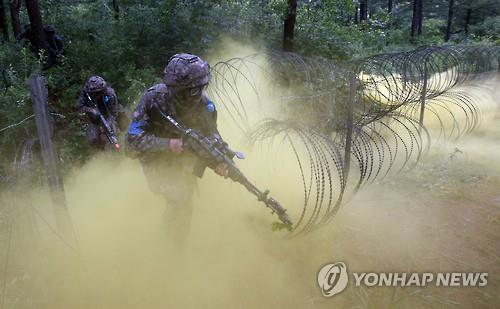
(186, 71)
(95, 84)
(50, 30)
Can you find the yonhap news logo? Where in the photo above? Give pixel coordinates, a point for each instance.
(334, 277)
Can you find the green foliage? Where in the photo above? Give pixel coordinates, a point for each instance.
(16, 66)
(130, 49)
(279, 226)
(327, 29)
(489, 29)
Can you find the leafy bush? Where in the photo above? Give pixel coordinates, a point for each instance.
(130, 48)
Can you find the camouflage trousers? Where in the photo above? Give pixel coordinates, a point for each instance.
(174, 180)
(96, 136)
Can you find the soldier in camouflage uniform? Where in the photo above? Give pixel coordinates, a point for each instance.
(98, 98)
(167, 165)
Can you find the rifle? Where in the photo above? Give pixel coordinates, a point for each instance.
(108, 131)
(213, 151)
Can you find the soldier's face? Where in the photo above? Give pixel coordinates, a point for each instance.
(192, 95)
(96, 95)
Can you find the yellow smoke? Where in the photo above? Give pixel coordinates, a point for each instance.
(231, 258)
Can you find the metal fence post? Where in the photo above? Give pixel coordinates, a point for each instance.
(423, 96)
(39, 97)
(349, 124)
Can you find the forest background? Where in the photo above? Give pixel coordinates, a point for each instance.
(128, 43)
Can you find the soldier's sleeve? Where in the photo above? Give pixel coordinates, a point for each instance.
(139, 139)
(116, 109)
(212, 122)
(84, 106)
(59, 44)
(111, 101)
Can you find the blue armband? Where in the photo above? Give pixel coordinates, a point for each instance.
(136, 127)
(210, 106)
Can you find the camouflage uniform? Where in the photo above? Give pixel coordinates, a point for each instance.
(149, 134)
(54, 40)
(97, 92)
(56, 48)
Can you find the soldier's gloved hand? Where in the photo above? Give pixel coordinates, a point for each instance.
(94, 112)
(222, 169)
(175, 145)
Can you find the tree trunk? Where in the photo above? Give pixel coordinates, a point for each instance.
(420, 16)
(450, 18)
(289, 26)
(36, 23)
(414, 19)
(116, 10)
(356, 15)
(467, 21)
(363, 10)
(15, 7)
(390, 22)
(3, 22)
(417, 18)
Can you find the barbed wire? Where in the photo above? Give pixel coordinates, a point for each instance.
(367, 113)
(26, 119)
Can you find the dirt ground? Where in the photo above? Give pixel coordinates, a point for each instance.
(442, 216)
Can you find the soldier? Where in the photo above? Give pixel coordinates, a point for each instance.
(26, 38)
(166, 164)
(55, 41)
(97, 98)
